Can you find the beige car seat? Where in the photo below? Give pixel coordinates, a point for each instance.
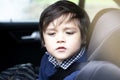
(104, 36)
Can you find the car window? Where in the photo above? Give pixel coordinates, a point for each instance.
(30, 10)
(23, 10)
(93, 6)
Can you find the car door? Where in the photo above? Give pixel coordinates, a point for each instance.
(20, 43)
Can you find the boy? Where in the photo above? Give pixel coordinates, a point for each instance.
(63, 27)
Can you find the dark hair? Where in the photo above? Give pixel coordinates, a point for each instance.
(63, 8)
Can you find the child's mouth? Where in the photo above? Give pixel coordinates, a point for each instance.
(61, 49)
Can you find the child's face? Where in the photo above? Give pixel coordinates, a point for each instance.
(62, 38)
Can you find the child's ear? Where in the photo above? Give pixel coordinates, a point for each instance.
(84, 41)
(43, 44)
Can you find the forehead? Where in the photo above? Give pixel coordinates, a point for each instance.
(67, 19)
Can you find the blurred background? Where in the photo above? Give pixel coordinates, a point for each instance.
(30, 10)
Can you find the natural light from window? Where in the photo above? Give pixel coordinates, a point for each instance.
(30, 10)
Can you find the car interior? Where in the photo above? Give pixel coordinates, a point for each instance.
(20, 43)
(20, 40)
(104, 36)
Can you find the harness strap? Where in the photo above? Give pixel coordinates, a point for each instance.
(61, 73)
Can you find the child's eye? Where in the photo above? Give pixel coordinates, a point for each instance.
(51, 34)
(70, 33)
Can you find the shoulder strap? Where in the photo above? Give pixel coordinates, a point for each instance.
(87, 71)
(61, 73)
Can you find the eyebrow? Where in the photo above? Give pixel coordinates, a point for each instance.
(50, 29)
(66, 28)
(70, 28)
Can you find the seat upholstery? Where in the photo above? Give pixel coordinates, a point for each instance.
(99, 70)
(104, 36)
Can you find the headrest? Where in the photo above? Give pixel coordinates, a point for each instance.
(104, 36)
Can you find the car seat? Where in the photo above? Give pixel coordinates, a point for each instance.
(104, 36)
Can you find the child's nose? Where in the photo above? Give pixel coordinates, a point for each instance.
(60, 39)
